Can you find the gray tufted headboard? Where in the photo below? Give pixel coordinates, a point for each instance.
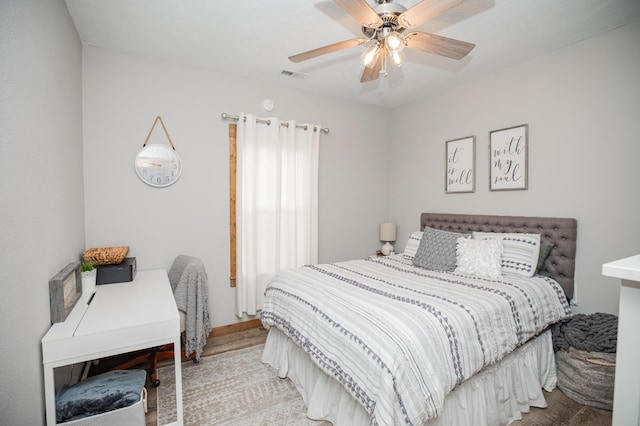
(562, 232)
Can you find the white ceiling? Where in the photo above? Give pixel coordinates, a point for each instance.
(253, 38)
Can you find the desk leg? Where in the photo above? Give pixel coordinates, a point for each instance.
(50, 395)
(178, 378)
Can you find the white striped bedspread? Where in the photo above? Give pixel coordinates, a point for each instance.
(399, 338)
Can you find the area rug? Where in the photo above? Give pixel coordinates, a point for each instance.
(233, 388)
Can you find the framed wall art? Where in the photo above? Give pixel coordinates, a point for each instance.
(460, 173)
(508, 152)
(65, 290)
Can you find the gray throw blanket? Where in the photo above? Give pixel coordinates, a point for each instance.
(188, 279)
(592, 333)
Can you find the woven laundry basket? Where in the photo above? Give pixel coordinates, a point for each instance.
(587, 377)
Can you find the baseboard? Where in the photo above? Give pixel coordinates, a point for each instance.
(232, 328)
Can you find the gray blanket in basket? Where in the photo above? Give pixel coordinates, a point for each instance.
(99, 394)
(592, 333)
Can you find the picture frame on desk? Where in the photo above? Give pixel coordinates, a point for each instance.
(65, 290)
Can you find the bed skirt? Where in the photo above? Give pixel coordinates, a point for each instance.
(498, 395)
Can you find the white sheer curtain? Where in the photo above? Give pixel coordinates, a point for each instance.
(276, 204)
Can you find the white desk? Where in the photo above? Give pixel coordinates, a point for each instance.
(626, 394)
(121, 318)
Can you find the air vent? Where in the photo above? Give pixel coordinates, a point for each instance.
(295, 74)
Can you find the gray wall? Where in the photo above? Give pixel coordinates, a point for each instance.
(582, 105)
(41, 187)
(122, 96)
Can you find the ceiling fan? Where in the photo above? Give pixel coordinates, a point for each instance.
(383, 26)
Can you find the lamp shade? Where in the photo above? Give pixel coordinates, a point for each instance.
(387, 232)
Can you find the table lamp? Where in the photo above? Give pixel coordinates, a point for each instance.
(387, 234)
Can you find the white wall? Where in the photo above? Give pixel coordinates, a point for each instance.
(582, 105)
(41, 188)
(122, 96)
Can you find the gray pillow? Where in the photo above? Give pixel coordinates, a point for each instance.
(545, 251)
(437, 250)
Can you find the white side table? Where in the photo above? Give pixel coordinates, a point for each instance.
(626, 394)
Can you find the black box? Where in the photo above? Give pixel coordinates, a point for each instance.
(118, 273)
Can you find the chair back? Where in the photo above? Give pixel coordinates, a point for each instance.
(180, 264)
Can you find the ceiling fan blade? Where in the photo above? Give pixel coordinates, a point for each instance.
(327, 49)
(431, 43)
(361, 12)
(425, 10)
(372, 72)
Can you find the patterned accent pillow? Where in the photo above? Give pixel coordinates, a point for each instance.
(437, 250)
(521, 251)
(481, 258)
(412, 245)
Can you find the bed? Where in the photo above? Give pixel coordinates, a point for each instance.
(382, 341)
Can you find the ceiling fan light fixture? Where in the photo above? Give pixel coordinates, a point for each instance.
(397, 57)
(394, 42)
(370, 54)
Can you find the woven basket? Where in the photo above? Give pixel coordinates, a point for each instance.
(587, 377)
(105, 255)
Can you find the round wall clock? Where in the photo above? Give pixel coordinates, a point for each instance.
(158, 165)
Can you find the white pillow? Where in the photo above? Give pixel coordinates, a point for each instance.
(479, 257)
(412, 244)
(521, 251)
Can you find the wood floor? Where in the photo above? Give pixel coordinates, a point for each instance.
(561, 410)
